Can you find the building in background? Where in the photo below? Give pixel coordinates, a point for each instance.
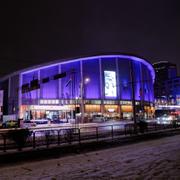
(105, 85)
(167, 90)
(167, 84)
(164, 71)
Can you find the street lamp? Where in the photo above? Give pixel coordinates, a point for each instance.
(76, 102)
(133, 96)
(83, 82)
(86, 80)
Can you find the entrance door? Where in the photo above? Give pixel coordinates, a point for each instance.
(52, 115)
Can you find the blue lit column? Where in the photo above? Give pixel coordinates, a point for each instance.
(81, 93)
(101, 87)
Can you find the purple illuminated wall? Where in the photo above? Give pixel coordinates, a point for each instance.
(30, 96)
(124, 79)
(146, 82)
(150, 85)
(137, 80)
(91, 71)
(49, 90)
(93, 68)
(70, 85)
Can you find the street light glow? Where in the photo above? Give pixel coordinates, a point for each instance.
(86, 80)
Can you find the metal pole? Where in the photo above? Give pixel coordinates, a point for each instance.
(71, 76)
(75, 113)
(97, 133)
(112, 132)
(59, 137)
(82, 94)
(34, 140)
(133, 97)
(4, 144)
(79, 131)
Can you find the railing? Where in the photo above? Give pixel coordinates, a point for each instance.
(11, 140)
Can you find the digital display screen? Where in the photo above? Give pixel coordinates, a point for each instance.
(110, 84)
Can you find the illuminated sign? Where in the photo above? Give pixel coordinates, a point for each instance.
(49, 107)
(49, 101)
(110, 84)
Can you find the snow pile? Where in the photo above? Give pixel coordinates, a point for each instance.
(155, 159)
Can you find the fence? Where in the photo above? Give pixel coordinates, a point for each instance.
(22, 139)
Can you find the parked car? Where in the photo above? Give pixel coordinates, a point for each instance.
(98, 118)
(58, 121)
(28, 124)
(10, 124)
(165, 119)
(40, 121)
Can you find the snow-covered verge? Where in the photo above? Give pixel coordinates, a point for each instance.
(155, 159)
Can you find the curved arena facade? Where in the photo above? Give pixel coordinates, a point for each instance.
(107, 85)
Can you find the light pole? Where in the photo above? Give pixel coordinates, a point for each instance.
(133, 97)
(76, 102)
(83, 82)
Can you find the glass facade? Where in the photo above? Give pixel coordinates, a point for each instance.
(137, 78)
(30, 96)
(49, 90)
(70, 84)
(125, 90)
(101, 84)
(90, 73)
(91, 70)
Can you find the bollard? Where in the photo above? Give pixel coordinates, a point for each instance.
(125, 130)
(59, 139)
(79, 131)
(112, 132)
(34, 140)
(97, 133)
(47, 134)
(4, 147)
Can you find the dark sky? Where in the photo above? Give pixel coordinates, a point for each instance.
(32, 33)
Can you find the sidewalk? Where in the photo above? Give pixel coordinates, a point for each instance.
(89, 145)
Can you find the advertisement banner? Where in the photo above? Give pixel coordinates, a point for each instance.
(110, 84)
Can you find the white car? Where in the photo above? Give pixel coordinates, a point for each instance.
(165, 119)
(98, 118)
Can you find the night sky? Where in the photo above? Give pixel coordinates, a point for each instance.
(32, 33)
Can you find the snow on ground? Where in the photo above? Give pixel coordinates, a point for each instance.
(154, 159)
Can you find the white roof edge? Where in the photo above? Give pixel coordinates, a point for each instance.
(67, 60)
(160, 62)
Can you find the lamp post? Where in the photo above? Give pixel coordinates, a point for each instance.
(83, 83)
(133, 97)
(76, 102)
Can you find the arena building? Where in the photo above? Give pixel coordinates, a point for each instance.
(106, 86)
